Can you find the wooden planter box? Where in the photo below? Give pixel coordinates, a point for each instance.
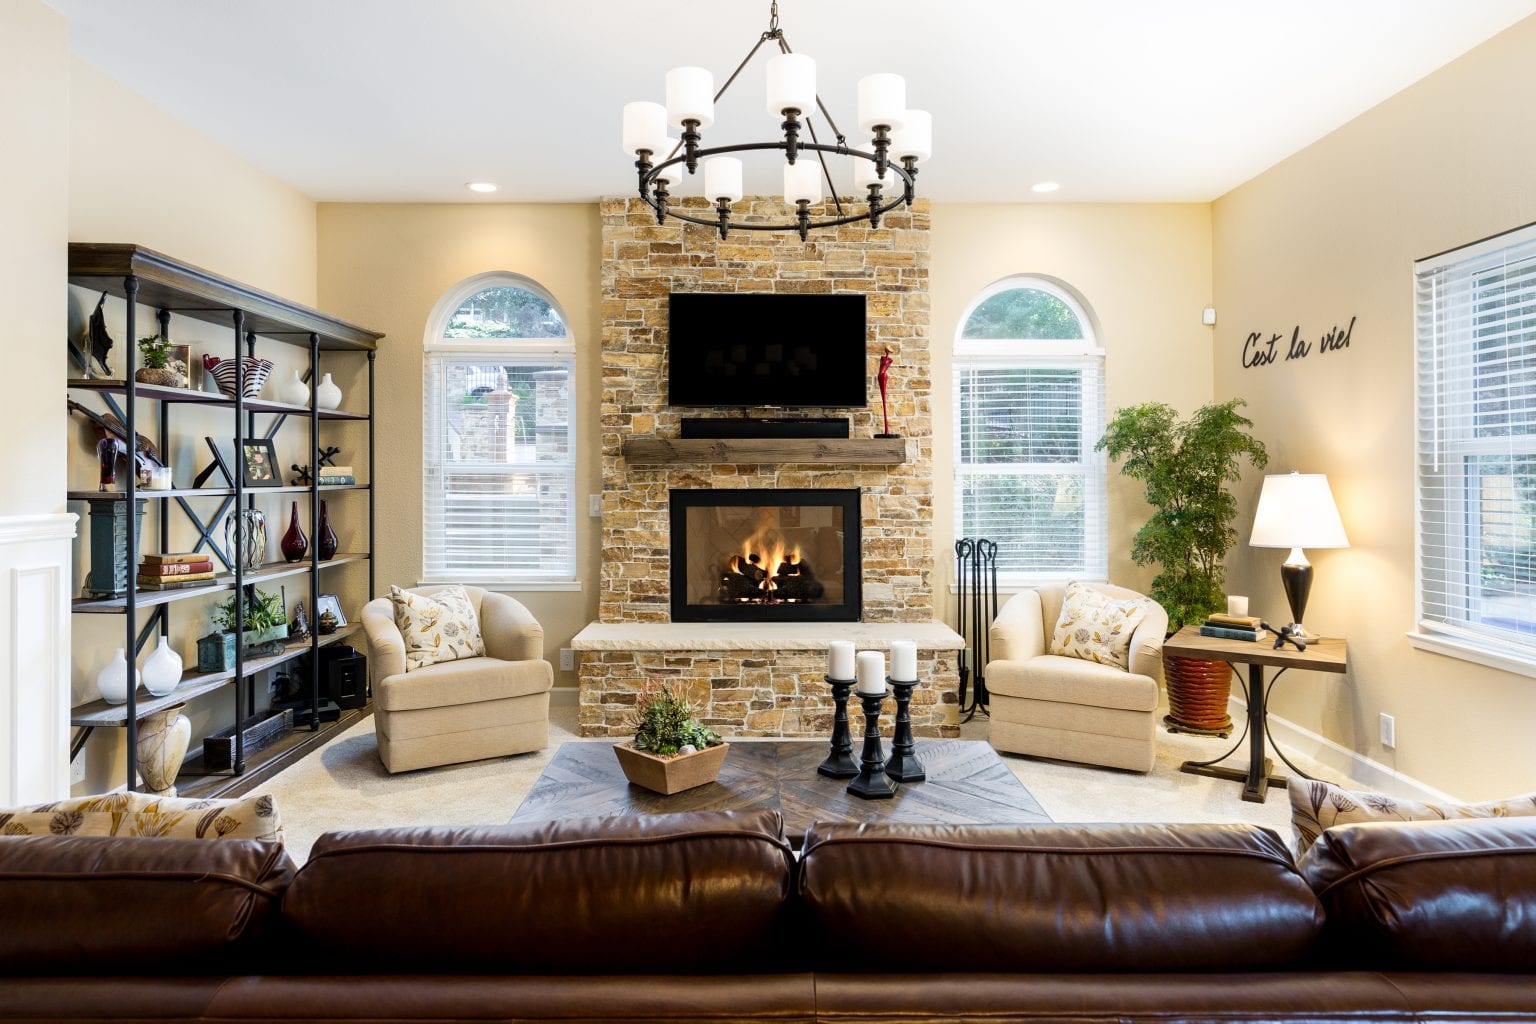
(668, 775)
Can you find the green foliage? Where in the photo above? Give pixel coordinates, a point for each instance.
(1023, 313)
(663, 722)
(262, 611)
(1185, 467)
(505, 312)
(156, 352)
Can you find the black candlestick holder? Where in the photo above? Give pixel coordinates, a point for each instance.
(903, 765)
(839, 763)
(872, 783)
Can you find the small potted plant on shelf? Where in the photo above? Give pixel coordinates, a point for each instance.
(265, 626)
(1185, 467)
(156, 355)
(671, 751)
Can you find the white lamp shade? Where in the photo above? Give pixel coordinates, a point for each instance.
(722, 178)
(690, 96)
(864, 176)
(645, 126)
(882, 100)
(791, 84)
(914, 138)
(671, 175)
(1296, 510)
(802, 180)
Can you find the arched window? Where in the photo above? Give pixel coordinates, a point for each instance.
(499, 485)
(1029, 407)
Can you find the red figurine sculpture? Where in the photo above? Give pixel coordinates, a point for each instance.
(883, 376)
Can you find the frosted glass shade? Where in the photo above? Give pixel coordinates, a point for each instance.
(802, 180)
(882, 100)
(645, 126)
(690, 96)
(1296, 510)
(791, 83)
(864, 176)
(914, 138)
(722, 179)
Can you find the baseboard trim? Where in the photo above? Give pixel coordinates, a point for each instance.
(1352, 764)
(563, 696)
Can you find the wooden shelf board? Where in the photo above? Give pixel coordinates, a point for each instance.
(223, 581)
(98, 713)
(195, 781)
(837, 451)
(208, 492)
(190, 396)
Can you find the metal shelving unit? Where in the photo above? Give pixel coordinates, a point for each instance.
(141, 276)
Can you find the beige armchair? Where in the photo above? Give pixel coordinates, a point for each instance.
(461, 710)
(1067, 708)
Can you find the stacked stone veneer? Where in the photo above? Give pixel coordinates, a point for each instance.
(644, 262)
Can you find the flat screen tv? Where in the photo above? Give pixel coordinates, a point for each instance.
(790, 351)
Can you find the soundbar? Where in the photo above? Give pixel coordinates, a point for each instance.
(723, 427)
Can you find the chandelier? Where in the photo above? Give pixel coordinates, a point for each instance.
(885, 175)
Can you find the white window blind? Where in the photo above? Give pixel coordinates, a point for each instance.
(1476, 382)
(1028, 411)
(499, 442)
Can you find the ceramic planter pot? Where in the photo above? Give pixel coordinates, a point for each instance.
(668, 775)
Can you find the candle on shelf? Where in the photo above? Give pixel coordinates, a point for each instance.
(1237, 605)
(871, 673)
(903, 660)
(840, 659)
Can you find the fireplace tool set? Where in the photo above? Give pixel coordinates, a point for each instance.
(976, 576)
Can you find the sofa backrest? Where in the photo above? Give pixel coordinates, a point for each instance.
(1057, 897)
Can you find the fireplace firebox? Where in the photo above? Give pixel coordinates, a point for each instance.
(744, 555)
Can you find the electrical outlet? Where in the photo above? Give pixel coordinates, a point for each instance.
(594, 505)
(77, 770)
(567, 660)
(1388, 731)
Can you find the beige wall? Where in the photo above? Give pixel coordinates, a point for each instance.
(1330, 233)
(386, 266)
(1144, 272)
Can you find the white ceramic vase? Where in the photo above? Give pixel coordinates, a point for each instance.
(162, 670)
(294, 391)
(112, 681)
(327, 395)
(163, 738)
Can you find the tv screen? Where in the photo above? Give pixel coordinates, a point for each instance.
(760, 350)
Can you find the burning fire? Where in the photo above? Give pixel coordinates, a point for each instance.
(768, 571)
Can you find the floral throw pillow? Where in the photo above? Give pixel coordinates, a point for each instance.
(1097, 627)
(438, 627)
(147, 816)
(1319, 805)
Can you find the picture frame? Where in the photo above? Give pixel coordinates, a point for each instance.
(330, 603)
(258, 463)
(217, 465)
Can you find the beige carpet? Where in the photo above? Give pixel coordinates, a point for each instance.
(343, 786)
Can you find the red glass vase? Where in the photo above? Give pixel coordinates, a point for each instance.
(327, 536)
(294, 543)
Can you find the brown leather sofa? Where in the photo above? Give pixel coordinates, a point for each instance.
(710, 917)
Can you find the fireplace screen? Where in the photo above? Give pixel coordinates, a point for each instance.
(765, 555)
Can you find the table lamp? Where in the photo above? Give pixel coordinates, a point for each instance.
(1296, 511)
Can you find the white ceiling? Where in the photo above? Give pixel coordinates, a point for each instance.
(1118, 100)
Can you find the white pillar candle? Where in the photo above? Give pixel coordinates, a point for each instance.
(871, 673)
(903, 661)
(840, 659)
(1237, 605)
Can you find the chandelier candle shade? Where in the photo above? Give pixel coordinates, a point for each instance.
(900, 138)
(1297, 510)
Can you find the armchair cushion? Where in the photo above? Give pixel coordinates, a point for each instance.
(1096, 626)
(466, 681)
(438, 627)
(1072, 681)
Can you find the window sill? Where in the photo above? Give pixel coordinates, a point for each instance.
(512, 586)
(1454, 647)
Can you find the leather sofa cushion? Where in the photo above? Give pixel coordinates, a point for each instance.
(671, 893)
(1057, 897)
(85, 904)
(1439, 895)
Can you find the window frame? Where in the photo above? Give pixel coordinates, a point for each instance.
(1087, 354)
(436, 348)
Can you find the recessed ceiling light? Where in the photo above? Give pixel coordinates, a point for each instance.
(481, 186)
(1044, 186)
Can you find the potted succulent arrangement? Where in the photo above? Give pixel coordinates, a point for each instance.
(671, 751)
(265, 624)
(156, 355)
(1185, 467)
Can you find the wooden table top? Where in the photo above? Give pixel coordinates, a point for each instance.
(1323, 654)
(967, 784)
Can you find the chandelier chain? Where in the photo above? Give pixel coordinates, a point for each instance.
(773, 18)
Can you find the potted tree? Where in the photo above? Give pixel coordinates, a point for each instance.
(671, 751)
(1185, 467)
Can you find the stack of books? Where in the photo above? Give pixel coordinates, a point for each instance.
(1233, 627)
(161, 571)
(331, 476)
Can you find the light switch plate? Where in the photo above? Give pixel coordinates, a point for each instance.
(1388, 731)
(594, 505)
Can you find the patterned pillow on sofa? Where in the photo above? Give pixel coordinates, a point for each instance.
(1095, 626)
(441, 626)
(140, 814)
(1319, 805)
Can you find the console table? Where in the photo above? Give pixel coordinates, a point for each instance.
(1321, 655)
